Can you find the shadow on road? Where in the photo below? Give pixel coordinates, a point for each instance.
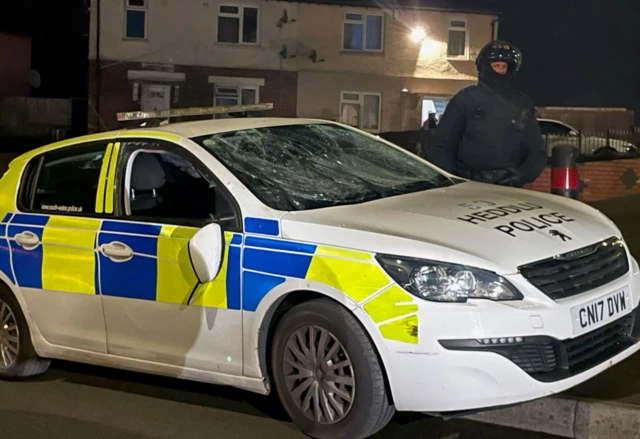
(170, 389)
(412, 425)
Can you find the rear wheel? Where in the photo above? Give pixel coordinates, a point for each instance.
(18, 358)
(327, 373)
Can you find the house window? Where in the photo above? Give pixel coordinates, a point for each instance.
(226, 95)
(135, 19)
(361, 110)
(458, 39)
(363, 32)
(238, 24)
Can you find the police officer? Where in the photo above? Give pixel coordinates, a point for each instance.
(489, 132)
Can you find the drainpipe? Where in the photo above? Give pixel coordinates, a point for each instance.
(494, 28)
(98, 70)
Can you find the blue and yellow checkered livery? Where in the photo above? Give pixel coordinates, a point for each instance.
(68, 259)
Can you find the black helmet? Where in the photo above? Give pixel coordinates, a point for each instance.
(500, 51)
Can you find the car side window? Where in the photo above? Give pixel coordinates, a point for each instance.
(63, 181)
(163, 183)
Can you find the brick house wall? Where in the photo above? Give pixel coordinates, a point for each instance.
(601, 180)
(280, 88)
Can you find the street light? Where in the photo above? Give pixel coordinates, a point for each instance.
(418, 34)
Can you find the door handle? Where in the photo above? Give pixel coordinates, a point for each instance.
(117, 251)
(27, 240)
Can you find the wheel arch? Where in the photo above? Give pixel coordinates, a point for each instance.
(11, 287)
(273, 312)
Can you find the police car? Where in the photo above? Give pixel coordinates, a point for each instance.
(311, 259)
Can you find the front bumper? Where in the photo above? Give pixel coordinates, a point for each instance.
(438, 376)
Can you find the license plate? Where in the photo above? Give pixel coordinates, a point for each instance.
(600, 311)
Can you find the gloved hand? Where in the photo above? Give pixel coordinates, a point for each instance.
(513, 178)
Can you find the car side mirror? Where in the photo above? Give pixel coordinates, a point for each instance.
(573, 133)
(206, 250)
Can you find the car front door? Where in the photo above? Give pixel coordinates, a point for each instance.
(52, 240)
(155, 308)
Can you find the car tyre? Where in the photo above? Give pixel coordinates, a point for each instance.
(327, 373)
(18, 358)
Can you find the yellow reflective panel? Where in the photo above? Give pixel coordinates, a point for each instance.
(103, 177)
(358, 280)
(403, 330)
(214, 293)
(68, 257)
(111, 179)
(8, 187)
(175, 276)
(342, 253)
(391, 303)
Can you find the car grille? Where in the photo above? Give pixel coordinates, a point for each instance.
(547, 359)
(579, 271)
(597, 346)
(535, 358)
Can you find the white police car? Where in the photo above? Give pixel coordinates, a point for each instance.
(308, 258)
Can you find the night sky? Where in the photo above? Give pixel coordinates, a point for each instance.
(576, 52)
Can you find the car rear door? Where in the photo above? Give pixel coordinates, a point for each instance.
(53, 244)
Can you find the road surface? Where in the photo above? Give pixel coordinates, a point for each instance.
(74, 400)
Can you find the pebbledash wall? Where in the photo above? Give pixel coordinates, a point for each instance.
(600, 180)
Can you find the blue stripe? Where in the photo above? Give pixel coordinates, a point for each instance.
(134, 279)
(255, 287)
(7, 217)
(136, 228)
(284, 264)
(273, 244)
(146, 245)
(3, 229)
(24, 218)
(5, 259)
(233, 278)
(236, 239)
(262, 226)
(27, 264)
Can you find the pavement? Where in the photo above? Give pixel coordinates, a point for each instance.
(605, 407)
(80, 401)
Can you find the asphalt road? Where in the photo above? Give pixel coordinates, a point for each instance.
(73, 400)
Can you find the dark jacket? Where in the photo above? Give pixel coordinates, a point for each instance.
(486, 135)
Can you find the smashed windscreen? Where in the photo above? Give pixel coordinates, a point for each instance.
(300, 167)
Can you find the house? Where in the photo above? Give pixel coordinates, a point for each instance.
(366, 63)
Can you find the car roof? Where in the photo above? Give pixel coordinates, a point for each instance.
(175, 131)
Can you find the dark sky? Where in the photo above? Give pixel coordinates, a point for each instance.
(576, 52)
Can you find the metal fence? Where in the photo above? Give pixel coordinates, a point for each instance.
(612, 144)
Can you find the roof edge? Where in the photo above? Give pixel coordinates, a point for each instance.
(358, 4)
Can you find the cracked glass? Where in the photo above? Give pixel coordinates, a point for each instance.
(310, 166)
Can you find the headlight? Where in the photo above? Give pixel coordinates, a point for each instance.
(443, 282)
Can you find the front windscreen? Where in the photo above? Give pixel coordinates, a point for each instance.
(310, 166)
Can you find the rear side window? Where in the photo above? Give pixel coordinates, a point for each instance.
(64, 181)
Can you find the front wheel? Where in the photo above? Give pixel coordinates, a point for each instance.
(327, 373)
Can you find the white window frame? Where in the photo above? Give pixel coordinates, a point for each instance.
(465, 56)
(240, 88)
(145, 9)
(360, 101)
(240, 17)
(363, 22)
